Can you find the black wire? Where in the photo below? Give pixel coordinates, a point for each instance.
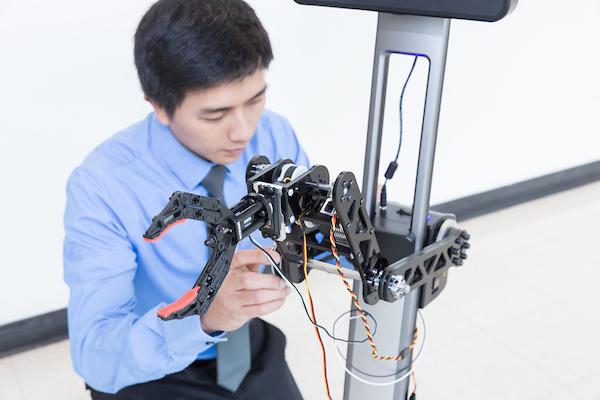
(306, 309)
(400, 371)
(368, 314)
(401, 105)
(401, 120)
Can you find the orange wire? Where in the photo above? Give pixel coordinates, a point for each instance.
(414, 377)
(314, 321)
(361, 313)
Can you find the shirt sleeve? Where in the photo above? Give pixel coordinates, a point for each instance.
(112, 346)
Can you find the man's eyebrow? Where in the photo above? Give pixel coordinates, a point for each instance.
(205, 111)
(257, 95)
(209, 110)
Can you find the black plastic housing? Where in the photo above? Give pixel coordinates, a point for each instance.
(392, 229)
(478, 10)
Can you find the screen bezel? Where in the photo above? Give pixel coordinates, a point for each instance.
(507, 7)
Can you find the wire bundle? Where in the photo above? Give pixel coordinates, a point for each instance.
(363, 315)
(314, 317)
(374, 353)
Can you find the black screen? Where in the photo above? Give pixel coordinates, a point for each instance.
(480, 10)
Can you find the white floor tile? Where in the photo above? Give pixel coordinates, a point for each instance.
(46, 373)
(478, 367)
(586, 389)
(9, 388)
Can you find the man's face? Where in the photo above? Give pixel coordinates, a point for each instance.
(218, 123)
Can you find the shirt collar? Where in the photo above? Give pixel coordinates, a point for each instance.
(189, 167)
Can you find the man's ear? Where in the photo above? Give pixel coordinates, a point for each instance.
(161, 114)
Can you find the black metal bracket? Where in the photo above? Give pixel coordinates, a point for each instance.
(357, 231)
(425, 268)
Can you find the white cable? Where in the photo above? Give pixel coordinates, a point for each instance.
(273, 265)
(338, 353)
(406, 375)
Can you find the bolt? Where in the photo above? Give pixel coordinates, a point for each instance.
(466, 246)
(398, 288)
(465, 235)
(463, 256)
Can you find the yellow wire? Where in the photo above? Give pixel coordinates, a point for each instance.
(361, 313)
(312, 311)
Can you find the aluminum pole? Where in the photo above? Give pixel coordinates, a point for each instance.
(411, 35)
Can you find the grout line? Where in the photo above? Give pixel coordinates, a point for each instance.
(13, 371)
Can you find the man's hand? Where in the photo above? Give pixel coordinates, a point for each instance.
(245, 293)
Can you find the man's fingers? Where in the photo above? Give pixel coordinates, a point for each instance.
(262, 296)
(260, 268)
(253, 257)
(253, 280)
(257, 267)
(258, 310)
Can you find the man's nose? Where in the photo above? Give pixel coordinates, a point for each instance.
(240, 129)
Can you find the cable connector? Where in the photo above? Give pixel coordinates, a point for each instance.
(383, 197)
(413, 396)
(389, 174)
(391, 170)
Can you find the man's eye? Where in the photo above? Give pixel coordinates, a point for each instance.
(257, 100)
(213, 119)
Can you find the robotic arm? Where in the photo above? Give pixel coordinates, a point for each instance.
(287, 203)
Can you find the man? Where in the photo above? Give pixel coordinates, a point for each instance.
(201, 64)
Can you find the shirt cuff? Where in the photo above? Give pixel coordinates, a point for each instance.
(185, 336)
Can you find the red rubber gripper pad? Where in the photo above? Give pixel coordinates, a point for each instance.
(188, 298)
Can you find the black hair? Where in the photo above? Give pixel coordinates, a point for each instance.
(188, 45)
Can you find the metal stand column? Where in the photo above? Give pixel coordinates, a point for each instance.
(411, 35)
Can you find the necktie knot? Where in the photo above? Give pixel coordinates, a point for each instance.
(214, 181)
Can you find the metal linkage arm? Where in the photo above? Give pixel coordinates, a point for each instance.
(424, 269)
(198, 299)
(183, 206)
(226, 227)
(357, 231)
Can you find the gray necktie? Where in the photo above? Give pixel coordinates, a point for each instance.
(233, 356)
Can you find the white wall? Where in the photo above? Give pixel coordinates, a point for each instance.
(521, 99)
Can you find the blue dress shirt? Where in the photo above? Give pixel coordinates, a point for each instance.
(117, 280)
